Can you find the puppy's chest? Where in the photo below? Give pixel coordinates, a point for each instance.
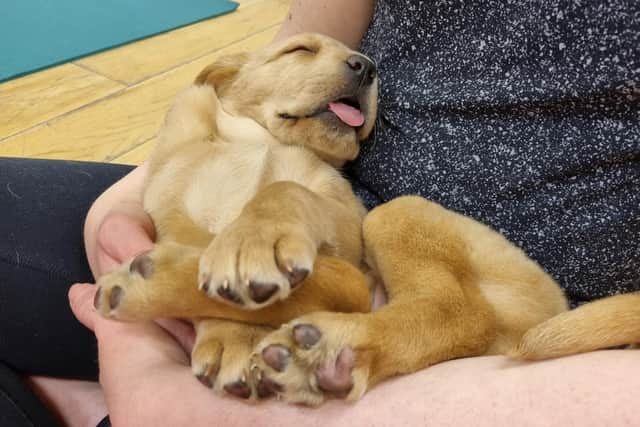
(222, 184)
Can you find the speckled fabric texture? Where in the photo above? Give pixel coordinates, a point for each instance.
(524, 114)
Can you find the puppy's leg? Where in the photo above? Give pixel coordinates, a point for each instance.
(162, 283)
(435, 313)
(271, 247)
(220, 356)
(192, 117)
(151, 285)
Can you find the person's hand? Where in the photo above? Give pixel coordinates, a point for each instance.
(147, 380)
(117, 227)
(121, 236)
(144, 369)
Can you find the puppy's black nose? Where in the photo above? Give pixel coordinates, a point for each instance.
(362, 67)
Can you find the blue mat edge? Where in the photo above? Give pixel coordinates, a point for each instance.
(104, 49)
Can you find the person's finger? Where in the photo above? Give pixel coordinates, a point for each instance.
(81, 301)
(181, 331)
(117, 339)
(106, 262)
(122, 236)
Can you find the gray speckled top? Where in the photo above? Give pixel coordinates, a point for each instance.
(524, 114)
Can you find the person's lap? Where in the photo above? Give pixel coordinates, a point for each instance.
(44, 204)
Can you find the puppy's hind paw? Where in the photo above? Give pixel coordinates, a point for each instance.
(220, 356)
(314, 358)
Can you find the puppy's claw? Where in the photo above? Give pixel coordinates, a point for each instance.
(230, 295)
(205, 283)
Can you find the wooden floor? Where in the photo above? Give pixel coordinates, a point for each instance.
(109, 106)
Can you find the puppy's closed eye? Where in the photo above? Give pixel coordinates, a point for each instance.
(301, 49)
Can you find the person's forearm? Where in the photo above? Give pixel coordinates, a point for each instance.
(593, 389)
(346, 21)
(124, 197)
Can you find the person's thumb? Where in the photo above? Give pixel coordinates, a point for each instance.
(122, 236)
(81, 301)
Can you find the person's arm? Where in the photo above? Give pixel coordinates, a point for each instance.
(346, 21)
(153, 385)
(117, 227)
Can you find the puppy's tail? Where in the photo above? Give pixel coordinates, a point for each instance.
(609, 322)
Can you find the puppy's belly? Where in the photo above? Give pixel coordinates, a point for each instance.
(212, 186)
(224, 183)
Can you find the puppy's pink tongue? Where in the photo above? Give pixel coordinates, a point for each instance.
(346, 113)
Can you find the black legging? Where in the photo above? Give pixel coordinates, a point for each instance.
(42, 209)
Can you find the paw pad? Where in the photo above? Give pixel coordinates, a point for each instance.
(261, 292)
(267, 388)
(312, 359)
(115, 297)
(276, 356)
(239, 389)
(306, 336)
(142, 265)
(336, 378)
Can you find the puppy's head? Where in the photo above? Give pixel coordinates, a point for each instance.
(308, 90)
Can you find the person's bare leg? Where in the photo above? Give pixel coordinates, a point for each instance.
(82, 403)
(75, 403)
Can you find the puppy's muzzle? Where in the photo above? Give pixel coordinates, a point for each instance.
(363, 68)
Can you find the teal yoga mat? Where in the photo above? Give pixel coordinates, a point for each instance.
(36, 34)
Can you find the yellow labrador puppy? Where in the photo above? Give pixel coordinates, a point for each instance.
(249, 204)
(247, 201)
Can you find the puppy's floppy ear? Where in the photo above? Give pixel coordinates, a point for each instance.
(222, 72)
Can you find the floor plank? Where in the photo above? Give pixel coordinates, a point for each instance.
(136, 155)
(157, 54)
(108, 129)
(36, 98)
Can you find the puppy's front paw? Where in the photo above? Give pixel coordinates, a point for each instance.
(255, 264)
(121, 293)
(313, 358)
